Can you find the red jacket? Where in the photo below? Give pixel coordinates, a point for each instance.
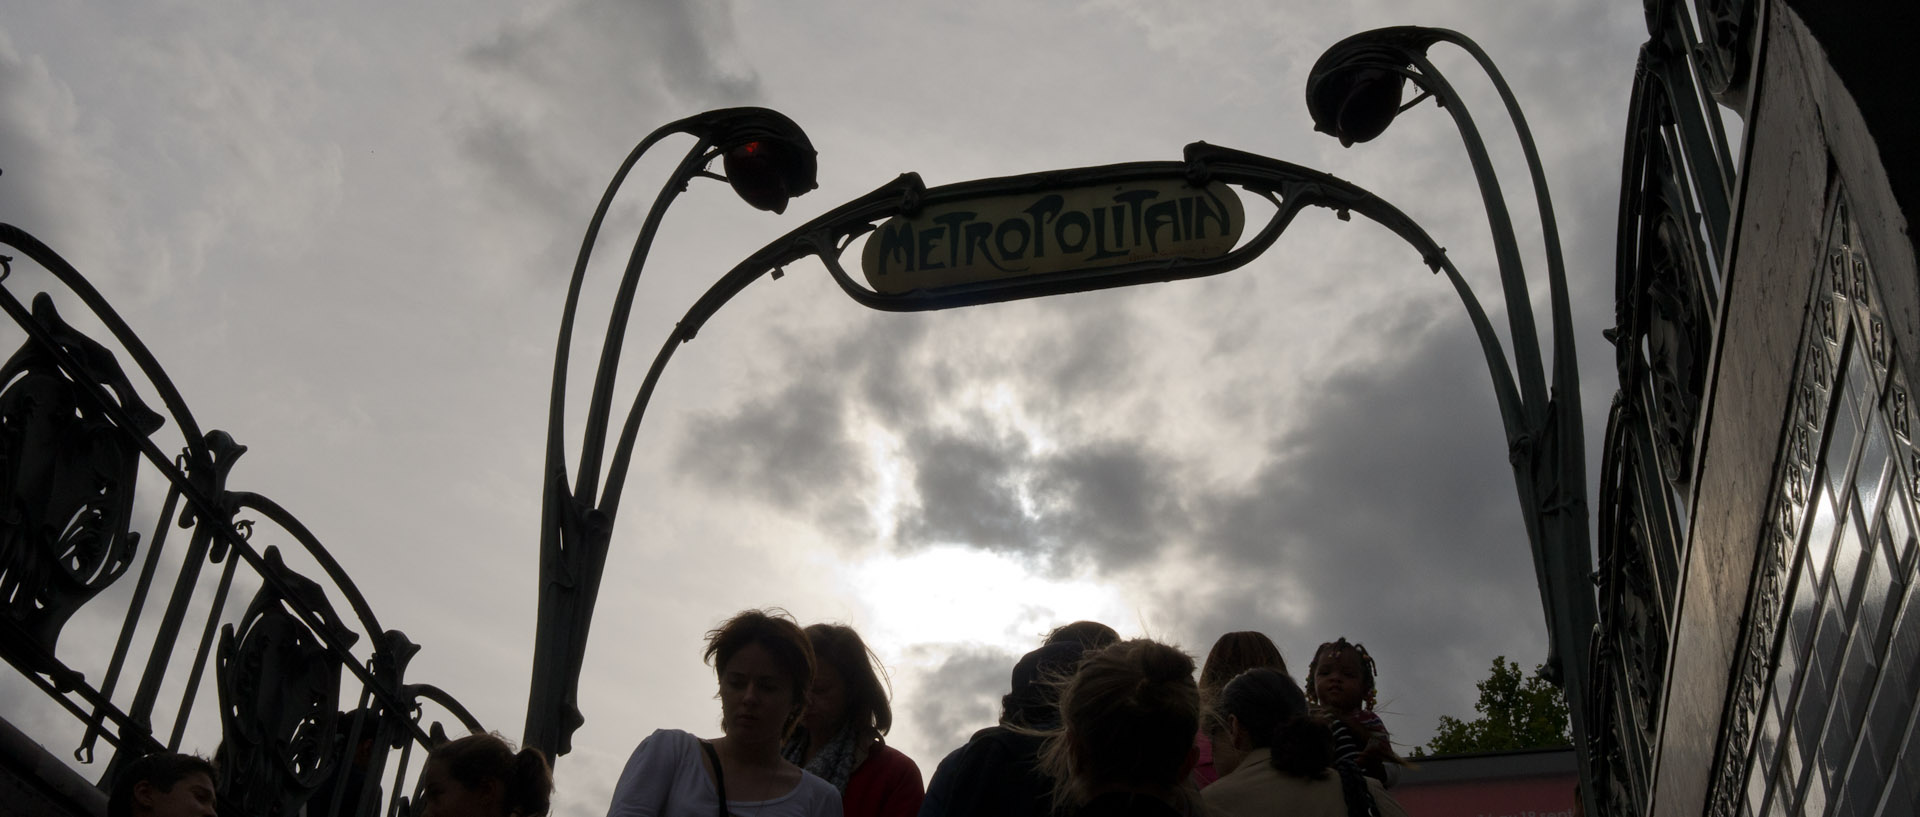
(886, 785)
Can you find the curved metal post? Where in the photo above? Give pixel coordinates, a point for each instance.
(1566, 377)
(573, 550)
(1549, 417)
(574, 530)
(1549, 457)
(1506, 247)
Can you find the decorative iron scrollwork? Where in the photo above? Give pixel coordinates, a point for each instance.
(1632, 642)
(1612, 753)
(279, 686)
(1663, 301)
(1724, 32)
(1676, 324)
(349, 790)
(67, 470)
(1643, 631)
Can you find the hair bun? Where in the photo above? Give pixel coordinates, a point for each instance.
(532, 789)
(1165, 666)
(1303, 746)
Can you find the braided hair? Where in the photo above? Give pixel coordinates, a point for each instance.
(1333, 651)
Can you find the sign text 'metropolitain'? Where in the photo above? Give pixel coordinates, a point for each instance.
(1079, 228)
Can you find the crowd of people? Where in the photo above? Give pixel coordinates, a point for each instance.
(1093, 726)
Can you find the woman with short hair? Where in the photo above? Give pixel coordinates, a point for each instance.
(765, 666)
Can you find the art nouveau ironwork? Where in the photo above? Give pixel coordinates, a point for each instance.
(1822, 702)
(1354, 92)
(1819, 713)
(571, 574)
(1677, 179)
(768, 160)
(78, 441)
(67, 472)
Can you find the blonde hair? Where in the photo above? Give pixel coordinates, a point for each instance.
(1127, 717)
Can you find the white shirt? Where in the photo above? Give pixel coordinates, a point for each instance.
(666, 778)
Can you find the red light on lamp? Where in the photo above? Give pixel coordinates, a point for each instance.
(758, 174)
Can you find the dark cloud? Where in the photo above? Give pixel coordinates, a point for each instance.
(1383, 509)
(1387, 515)
(969, 492)
(792, 450)
(1117, 503)
(788, 449)
(506, 149)
(960, 697)
(1081, 501)
(50, 184)
(892, 384)
(680, 47)
(1104, 504)
(559, 91)
(1095, 352)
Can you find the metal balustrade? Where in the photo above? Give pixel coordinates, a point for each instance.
(1677, 183)
(164, 610)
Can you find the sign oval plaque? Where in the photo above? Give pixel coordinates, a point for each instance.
(1081, 228)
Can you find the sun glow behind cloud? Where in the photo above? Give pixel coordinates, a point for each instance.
(890, 477)
(952, 594)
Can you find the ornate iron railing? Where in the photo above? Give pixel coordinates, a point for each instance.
(1678, 182)
(1802, 597)
(308, 707)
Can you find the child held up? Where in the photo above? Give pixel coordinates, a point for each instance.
(1341, 689)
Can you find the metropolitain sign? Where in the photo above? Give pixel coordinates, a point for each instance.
(1081, 228)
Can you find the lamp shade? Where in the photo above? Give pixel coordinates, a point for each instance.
(767, 158)
(759, 172)
(1354, 90)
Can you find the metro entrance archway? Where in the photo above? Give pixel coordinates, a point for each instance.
(1067, 231)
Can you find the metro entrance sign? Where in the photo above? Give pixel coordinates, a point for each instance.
(1060, 231)
(964, 244)
(1079, 228)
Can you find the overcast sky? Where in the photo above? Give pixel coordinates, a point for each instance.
(345, 230)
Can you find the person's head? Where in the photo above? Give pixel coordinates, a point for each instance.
(1037, 678)
(1127, 720)
(482, 776)
(1265, 709)
(1235, 653)
(164, 784)
(1091, 635)
(846, 688)
(765, 666)
(1341, 677)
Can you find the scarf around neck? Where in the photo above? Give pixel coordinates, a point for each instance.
(833, 764)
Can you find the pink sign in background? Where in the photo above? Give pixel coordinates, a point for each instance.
(1543, 796)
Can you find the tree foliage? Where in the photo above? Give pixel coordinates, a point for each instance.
(1516, 712)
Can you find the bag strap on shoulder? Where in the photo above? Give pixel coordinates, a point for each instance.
(719, 777)
(1356, 792)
